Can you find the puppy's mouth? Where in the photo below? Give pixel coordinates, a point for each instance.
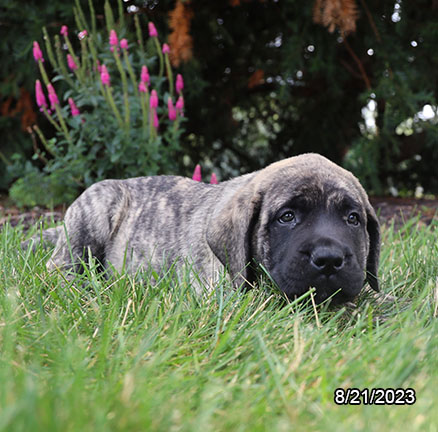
(337, 288)
(326, 289)
(335, 297)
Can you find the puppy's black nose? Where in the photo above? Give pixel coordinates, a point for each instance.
(327, 260)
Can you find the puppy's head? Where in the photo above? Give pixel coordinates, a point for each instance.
(308, 222)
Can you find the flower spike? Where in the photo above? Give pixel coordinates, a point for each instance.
(71, 62)
(179, 83)
(104, 76)
(74, 109)
(37, 53)
(53, 97)
(171, 109)
(197, 173)
(40, 98)
(152, 29)
(153, 102)
(213, 179)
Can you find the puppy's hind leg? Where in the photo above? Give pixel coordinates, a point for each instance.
(67, 254)
(46, 239)
(89, 224)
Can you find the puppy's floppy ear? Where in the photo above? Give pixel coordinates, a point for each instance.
(373, 229)
(230, 231)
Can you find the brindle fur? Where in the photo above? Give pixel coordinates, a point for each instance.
(148, 221)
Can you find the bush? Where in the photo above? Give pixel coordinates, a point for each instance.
(117, 117)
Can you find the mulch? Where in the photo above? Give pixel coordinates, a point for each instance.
(389, 209)
(400, 210)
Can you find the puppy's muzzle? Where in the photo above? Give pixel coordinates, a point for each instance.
(326, 263)
(327, 260)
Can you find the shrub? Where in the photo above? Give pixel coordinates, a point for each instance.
(120, 114)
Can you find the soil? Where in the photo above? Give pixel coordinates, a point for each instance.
(389, 209)
(400, 210)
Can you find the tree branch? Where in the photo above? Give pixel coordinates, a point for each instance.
(358, 63)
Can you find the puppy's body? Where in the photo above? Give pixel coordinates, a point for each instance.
(140, 222)
(150, 221)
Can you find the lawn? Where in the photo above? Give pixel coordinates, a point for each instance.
(99, 355)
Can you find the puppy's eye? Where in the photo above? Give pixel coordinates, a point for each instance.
(353, 219)
(287, 217)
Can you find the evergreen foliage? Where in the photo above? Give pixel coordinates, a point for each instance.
(270, 79)
(276, 83)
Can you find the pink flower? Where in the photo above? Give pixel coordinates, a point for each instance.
(53, 98)
(40, 98)
(180, 106)
(37, 54)
(166, 49)
(71, 62)
(179, 83)
(156, 122)
(83, 34)
(213, 179)
(197, 174)
(124, 44)
(142, 87)
(64, 31)
(152, 30)
(153, 101)
(171, 109)
(145, 75)
(113, 40)
(104, 76)
(74, 109)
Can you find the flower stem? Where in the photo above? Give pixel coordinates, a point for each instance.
(93, 16)
(144, 110)
(61, 61)
(49, 48)
(121, 14)
(109, 17)
(47, 146)
(62, 123)
(51, 119)
(175, 126)
(43, 72)
(152, 130)
(125, 88)
(76, 60)
(112, 104)
(169, 74)
(139, 32)
(93, 55)
(160, 56)
(130, 72)
(81, 22)
(85, 58)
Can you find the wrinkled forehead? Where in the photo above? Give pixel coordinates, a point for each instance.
(315, 190)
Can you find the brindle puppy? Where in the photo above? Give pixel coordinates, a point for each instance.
(307, 221)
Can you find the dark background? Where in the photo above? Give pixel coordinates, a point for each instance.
(265, 81)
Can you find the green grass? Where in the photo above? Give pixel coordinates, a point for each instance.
(98, 355)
